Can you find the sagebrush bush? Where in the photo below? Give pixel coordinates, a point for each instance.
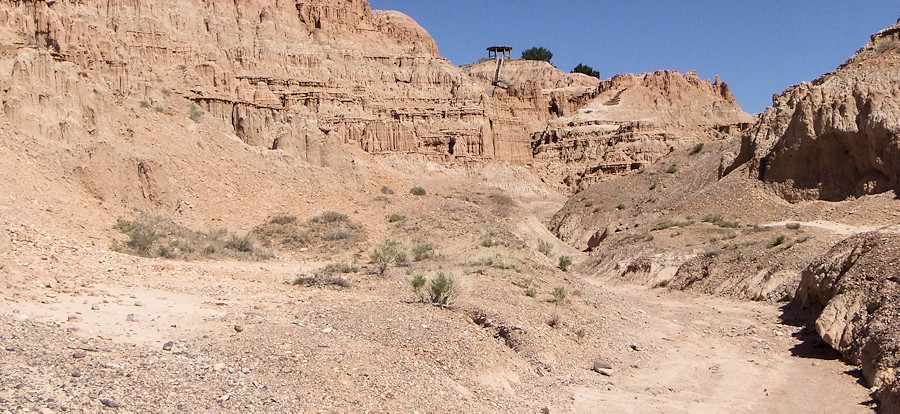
(776, 241)
(564, 263)
(545, 247)
(443, 290)
(387, 253)
(422, 251)
(559, 294)
(393, 218)
(418, 191)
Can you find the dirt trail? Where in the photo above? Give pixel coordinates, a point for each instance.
(709, 355)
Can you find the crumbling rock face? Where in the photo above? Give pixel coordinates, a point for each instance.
(855, 290)
(837, 137)
(287, 75)
(633, 121)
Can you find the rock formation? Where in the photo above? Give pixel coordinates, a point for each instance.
(854, 290)
(838, 136)
(633, 121)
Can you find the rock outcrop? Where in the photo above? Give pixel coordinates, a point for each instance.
(285, 75)
(633, 121)
(855, 291)
(838, 136)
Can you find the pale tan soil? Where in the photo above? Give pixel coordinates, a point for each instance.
(373, 348)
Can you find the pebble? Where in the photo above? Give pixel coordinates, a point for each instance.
(168, 346)
(327, 330)
(138, 303)
(95, 307)
(109, 402)
(238, 328)
(10, 349)
(635, 347)
(79, 354)
(76, 374)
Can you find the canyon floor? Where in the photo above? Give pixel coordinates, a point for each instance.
(86, 329)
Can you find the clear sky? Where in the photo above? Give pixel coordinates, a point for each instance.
(758, 47)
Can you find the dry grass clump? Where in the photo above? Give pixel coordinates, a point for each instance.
(158, 236)
(442, 290)
(329, 230)
(387, 253)
(717, 220)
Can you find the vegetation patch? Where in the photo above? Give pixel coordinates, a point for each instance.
(673, 223)
(776, 241)
(441, 290)
(387, 253)
(158, 236)
(564, 263)
(330, 231)
(717, 220)
(497, 262)
(417, 191)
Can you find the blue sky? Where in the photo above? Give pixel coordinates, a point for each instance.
(758, 47)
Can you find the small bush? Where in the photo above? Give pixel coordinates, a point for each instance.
(443, 290)
(545, 247)
(717, 220)
(341, 267)
(393, 218)
(145, 103)
(530, 293)
(387, 253)
(559, 294)
(672, 169)
(564, 263)
(310, 281)
(580, 334)
(776, 241)
(243, 243)
(417, 191)
(141, 232)
(793, 226)
(422, 251)
(386, 190)
(676, 223)
(497, 262)
(554, 320)
(329, 217)
(283, 219)
(195, 112)
(696, 149)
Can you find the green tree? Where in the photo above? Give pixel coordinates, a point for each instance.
(587, 70)
(537, 53)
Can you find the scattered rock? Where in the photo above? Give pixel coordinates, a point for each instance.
(95, 306)
(131, 318)
(109, 402)
(168, 346)
(9, 349)
(79, 354)
(328, 330)
(238, 328)
(76, 374)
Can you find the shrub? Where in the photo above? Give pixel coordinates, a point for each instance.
(672, 169)
(696, 149)
(422, 251)
(545, 247)
(386, 190)
(580, 334)
(243, 243)
(564, 263)
(387, 253)
(393, 218)
(141, 232)
(530, 293)
(556, 319)
(497, 262)
(145, 103)
(717, 220)
(417, 191)
(537, 53)
(559, 294)
(341, 267)
(310, 281)
(776, 241)
(443, 290)
(195, 113)
(585, 69)
(669, 223)
(329, 217)
(418, 282)
(283, 219)
(793, 226)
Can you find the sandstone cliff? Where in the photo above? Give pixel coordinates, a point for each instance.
(633, 121)
(838, 136)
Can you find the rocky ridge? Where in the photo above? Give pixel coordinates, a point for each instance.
(837, 136)
(632, 122)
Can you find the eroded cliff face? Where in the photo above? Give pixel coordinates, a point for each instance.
(838, 136)
(854, 289)
(286, 75)
(633, 121)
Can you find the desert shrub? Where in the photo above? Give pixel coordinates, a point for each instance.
(530, 293)
(672, 169)
(564, 263)
(537, 53)
(387, 253)
(580, 334)
(422, 251)
(142, 232)
(310, 281)
(717, 220)
(673, 223)
(417, 191)
(793, 226)
(386, 190)
(443, 290)
(340, 267)
(559, 294)
(776, 241)
(243, 243)
(329, 217)
(393, 218)
(283, 219)
(497, 262)
(696, 149)
(195, 112)
(145, 103)
(554, 320)
(545, 247)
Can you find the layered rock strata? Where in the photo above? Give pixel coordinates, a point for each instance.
(633, 121)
